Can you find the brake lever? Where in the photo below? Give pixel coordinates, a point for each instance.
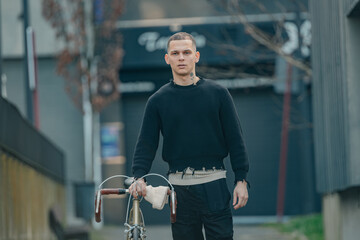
(128, 182)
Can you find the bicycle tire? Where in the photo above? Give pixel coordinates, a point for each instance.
(136, 234)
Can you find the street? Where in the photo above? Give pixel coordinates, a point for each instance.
(241, 232)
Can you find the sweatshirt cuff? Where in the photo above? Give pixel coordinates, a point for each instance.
(139, 173)
(240, 176)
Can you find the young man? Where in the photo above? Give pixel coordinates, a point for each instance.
(200, 127)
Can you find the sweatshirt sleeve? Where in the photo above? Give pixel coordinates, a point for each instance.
(147, 142)
(234, 137)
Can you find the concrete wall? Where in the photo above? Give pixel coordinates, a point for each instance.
(350, 206)
(341, 215)
(331, 215)
(25, 200)
(60, 120)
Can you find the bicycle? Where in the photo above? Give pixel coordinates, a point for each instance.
(134, 223)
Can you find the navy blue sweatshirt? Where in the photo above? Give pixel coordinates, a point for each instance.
(199, 125)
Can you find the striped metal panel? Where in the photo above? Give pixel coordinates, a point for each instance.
(349, 6)
(329, 95)
(22, 140)
(26, 197)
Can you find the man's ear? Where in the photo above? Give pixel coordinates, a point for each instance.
(166, 59)
(197, 56)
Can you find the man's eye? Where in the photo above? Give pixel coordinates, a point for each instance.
(174, 53)
(187, 53)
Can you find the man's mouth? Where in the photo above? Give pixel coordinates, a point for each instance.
(182, 65)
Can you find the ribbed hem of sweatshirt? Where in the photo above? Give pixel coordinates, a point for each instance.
(205, 163)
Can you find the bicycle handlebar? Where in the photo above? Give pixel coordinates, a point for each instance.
(116, 191)
(120, 191)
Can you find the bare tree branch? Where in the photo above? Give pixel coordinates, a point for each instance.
(68, 20)
(234, 8)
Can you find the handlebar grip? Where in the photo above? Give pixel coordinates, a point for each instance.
(116, 191)
(98, 207)
(106, 191)
(173, 205)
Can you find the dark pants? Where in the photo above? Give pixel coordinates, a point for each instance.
(203, 205)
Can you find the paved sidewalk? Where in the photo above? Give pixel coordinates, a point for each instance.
(163, 232)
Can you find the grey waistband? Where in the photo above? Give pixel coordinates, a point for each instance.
(190, 177)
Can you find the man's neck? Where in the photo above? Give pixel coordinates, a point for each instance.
(186, 80)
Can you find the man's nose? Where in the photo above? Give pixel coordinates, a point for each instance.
(181, 56)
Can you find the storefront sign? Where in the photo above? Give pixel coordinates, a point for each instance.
(153, 41)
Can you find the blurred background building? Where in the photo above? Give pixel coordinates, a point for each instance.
(60, 121)
(250, 56)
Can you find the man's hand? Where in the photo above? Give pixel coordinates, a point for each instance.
(138, 188)
(240, 195)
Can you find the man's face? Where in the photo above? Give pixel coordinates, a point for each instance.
(182, 57)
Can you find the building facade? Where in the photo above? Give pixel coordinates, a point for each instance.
(335, 61)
